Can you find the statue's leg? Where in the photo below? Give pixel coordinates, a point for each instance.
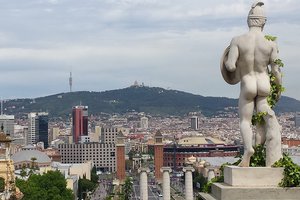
(272, 131)
(260, 136)
(246, 107)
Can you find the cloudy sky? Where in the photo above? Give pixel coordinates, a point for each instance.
(108, 44)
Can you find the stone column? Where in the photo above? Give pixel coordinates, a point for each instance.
(166, 182)
(210, 174)
(189, 195)
(144, 183)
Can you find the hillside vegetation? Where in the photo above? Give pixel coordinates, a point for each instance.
(151, 100)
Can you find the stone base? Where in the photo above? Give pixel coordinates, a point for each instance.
(252, 176)
(251, 183)
(222, 191)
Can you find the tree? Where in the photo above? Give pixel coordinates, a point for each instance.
(2, 184)
(49, 186)
(94, 176)
(127, 188)
(85, 185)
(23, 172)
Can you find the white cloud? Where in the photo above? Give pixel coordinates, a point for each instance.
(114, 42)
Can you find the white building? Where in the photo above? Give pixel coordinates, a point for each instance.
(144, 123)
(195, 123)
(8, 121)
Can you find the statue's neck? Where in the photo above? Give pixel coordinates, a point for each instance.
(255, 29)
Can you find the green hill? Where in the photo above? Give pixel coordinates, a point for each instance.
(151, 100)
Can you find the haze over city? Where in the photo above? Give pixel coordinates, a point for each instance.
(109, 44)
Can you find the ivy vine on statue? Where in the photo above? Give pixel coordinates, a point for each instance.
(252, 59)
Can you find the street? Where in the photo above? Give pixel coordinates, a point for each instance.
(152, 192)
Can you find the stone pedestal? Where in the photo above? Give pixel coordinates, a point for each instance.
(189, 195)
(166, 182)
(251, 183)
(144, 183)
(252, 176)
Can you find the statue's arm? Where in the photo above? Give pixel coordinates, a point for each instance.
(275, 69)
(232, 56)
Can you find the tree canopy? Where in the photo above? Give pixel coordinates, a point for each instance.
(49, 186)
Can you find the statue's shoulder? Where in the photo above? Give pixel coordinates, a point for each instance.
(230, 77)
(240, 38)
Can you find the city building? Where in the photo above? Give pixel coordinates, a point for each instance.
(144, 124)
(79, 122)
(297, 119)
(290, 142)
(195, 123)
(175, 154)
(8, 121)
(38, 128)
(28, 158)
(102, 154)
(54, 133)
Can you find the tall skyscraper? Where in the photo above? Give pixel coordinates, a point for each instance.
(80, 122)
(31, 128)
(195, 123)
(38, 128)
(42, 131)
(8, 121)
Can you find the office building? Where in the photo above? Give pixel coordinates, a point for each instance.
(38, 128)
(195, 123)
(103, 154)
(8, 121)
(79, 122)
(297, 119)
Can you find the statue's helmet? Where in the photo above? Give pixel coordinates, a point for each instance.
(257, 12)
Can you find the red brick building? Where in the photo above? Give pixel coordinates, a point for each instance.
(290, 142)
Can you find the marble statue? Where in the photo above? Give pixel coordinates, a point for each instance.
(248, 60)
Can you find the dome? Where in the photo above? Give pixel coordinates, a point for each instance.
(26, 155)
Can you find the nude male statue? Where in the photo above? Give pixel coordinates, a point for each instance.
(246, 60)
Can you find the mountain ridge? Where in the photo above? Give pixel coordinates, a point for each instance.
(152, 100)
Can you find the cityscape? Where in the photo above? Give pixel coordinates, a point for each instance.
(149, 100)
(117, 146)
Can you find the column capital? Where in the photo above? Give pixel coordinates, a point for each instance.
(188, 168)
(144, 169)
(166, 169)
